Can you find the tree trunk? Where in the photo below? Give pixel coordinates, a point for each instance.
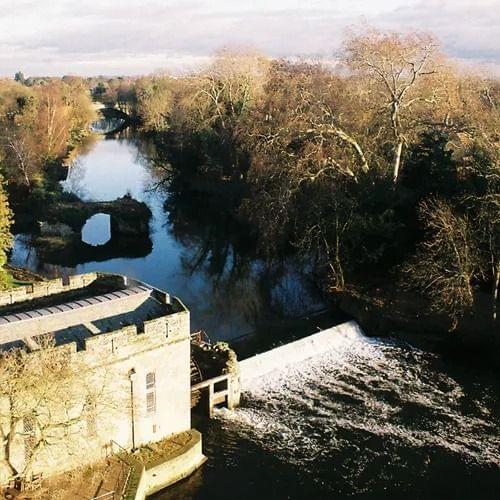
(347, 138)
(397, 162)
(8, 445)
(496, 285)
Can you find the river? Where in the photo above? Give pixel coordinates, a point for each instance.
(228, 291)
(374, 418)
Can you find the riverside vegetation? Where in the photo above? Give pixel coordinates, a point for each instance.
(382, 169)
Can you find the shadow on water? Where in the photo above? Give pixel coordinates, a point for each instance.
(198, 249)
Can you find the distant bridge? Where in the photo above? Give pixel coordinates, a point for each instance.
(113, 114)
(108, 112)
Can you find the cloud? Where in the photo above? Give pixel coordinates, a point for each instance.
(140, 36)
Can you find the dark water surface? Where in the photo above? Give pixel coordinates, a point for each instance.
(228, 292)
(371, 419)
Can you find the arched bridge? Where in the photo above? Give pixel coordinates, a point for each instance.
(116, 118)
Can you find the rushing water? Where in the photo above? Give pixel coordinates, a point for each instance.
(371, 419)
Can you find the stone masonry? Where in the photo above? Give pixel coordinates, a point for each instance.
(134, 335)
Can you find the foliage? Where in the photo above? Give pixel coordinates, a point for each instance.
(47, 398)
(38, 125)
(385, 162)
(448, 259)
(5, 235)
(381, 164)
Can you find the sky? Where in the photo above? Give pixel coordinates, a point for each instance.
(118, 37)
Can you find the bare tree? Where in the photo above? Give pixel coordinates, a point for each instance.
(226, 90)
(23, 159)
(49, 402)
(395, 68)
(447, 262)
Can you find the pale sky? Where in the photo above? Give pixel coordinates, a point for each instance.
(90, 37)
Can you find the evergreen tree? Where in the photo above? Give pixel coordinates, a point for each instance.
(19, 77)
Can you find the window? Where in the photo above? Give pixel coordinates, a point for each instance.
(150, 380)
(151, 392)
(29, 437)
(151, 402)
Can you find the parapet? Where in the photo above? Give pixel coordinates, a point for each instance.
(94, 312)
(46, 288)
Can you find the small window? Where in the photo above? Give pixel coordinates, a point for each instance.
(151, 392)
(150, 380)
(151, 402)
(29, 437)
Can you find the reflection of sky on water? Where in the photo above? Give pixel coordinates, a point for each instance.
(225, 306)
(97, 230)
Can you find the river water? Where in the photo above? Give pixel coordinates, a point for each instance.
(228, 291)
(373, 418)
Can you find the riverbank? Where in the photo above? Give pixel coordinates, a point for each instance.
(386, 310)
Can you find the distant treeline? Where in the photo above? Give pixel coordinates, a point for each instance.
(386, 163)
(41, 120)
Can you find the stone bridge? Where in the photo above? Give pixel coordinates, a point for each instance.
(60, 239)
(119, 119)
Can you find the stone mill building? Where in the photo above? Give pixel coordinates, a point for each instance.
(131, 344)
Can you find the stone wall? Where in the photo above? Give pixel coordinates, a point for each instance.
(174, 467)
(46, 288)
(295, 352)
(118, 363)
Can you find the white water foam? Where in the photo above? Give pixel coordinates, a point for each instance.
(367, 390)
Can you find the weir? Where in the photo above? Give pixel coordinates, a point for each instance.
(225, 388)
(297, 351)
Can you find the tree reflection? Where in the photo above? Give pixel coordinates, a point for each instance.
(203, 216)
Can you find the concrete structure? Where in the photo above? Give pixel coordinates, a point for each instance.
(289, 354)
(136, 336)
(173, 465)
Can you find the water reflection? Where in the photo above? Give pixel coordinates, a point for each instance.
(198, 251)
(97, 230)
(107, 125)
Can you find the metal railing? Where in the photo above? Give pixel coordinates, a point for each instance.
(122, 478)
(110, 494)
(200, 337)
(127, 464)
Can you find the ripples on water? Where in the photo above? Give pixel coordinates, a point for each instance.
(373, 419)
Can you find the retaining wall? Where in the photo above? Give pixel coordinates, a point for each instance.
(174, 468)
